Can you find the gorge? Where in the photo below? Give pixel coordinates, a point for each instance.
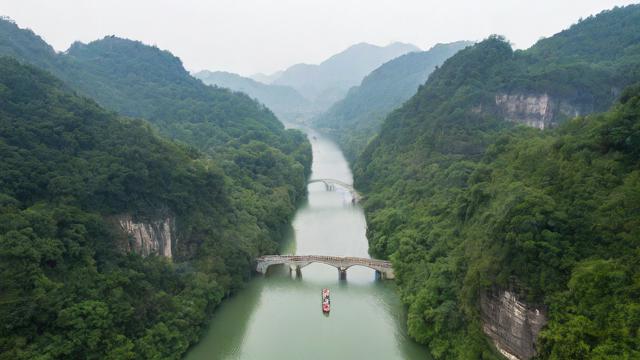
(471, 201)
(278, 315)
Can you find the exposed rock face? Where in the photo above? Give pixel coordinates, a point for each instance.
(536, 110)
(511, 324)
(151, 237)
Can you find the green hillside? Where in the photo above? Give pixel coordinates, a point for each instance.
(69, 168)
(68, 291)
(143, 81)
(464, 201)
(138, 80)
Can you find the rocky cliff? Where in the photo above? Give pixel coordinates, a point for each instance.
(148, 237)
(511, 324)
(537, 110)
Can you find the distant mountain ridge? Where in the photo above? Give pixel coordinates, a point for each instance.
(303, 91)
(330, 80)
(354, 120)
(266, 78)
(285, 101)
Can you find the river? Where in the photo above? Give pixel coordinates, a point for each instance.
(278, 316)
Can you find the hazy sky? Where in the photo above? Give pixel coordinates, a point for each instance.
(248, 36)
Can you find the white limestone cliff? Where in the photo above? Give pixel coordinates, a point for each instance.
(148, 237)
(511, 324)
(536, 110)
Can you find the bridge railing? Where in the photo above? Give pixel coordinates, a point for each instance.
(326, 258)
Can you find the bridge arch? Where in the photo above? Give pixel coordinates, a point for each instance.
(297, 262)
(329, 182)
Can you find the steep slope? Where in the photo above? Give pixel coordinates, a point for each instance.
(68, 170)
(354, 120)
(231, 128)
(488, 223)
(330, 80)
(143, 81)
(25, 44)
(212, 204)
(284, 101)
(140, 80)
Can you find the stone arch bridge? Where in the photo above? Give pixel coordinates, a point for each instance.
(330, 183)
(296, 262)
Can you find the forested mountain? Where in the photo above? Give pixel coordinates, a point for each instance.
(140, 80)
(468, 204)
(355, 120)
(329, 81)
(73, 176)
(284, 101)
(25, 44)
(143, 81)
(67, 290)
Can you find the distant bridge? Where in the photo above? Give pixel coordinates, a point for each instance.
(332, 182)
(296, 262)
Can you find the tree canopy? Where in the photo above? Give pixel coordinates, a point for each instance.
(230, 176)
(464, 202)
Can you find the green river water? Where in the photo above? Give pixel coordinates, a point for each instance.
(278, 316)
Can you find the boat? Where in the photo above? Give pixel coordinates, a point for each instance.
(326, 301)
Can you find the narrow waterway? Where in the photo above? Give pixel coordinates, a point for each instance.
(278, 316)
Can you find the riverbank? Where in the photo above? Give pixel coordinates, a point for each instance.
(279, 316)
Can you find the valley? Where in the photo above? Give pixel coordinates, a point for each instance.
(474, 200)
(278, 314)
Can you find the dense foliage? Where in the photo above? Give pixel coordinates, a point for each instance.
(355, 120)
(67, 291)
(68, 168)
(464, 202)
(266, 164)
(138, 80)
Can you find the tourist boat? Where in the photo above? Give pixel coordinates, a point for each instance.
(326, 301)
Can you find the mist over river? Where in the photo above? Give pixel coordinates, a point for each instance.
(279, 316)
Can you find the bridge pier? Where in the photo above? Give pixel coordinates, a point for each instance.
(330, 185)
(297, 269)
(342, 273)
(261, 268)
(385, 274)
